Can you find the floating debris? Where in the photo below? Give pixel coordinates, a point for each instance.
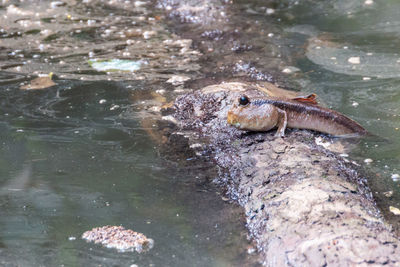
(196, 145)
(368, 161)
(56, 4)
(41, 82)
(395, 177)
(394, 210)
(118, 237)
(355, 104)
(12, 9)
(388, 193)
(270, 11)
(114, 107)
(149, 34)
(290, 69)
(115, 64)
(178, 79)
(354, 60)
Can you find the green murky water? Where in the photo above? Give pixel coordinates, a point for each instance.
(69, 164)
(87, 153)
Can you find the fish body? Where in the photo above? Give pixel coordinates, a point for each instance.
(264, 114)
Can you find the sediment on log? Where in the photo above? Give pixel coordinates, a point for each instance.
(304, 205)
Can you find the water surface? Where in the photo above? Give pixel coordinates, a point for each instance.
(88, 152)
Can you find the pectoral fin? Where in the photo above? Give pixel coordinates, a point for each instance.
(282, 122)
(310, 99)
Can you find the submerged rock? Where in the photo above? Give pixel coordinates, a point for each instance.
(304, 205)
(119, 238)
(42, 82)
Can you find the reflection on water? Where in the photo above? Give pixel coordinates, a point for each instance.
(86, 152)
(69, 163)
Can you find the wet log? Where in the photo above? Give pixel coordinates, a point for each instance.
(304, 205)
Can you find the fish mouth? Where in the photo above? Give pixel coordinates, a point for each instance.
(232, 120)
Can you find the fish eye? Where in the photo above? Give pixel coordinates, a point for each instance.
(243, 100)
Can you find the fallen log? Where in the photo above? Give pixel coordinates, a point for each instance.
(304, 205)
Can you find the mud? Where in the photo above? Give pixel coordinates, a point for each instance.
(304, 205)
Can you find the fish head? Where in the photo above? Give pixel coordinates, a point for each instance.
(249, 116)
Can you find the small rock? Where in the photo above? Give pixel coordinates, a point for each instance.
(354, 60)
(225, 199)
(140, 3)
(119, 238)
(388, 193)
(270, 11)
(368, 161)
(394, 210)
(170, 118)
(56, 4)
(114, 107)
(196, 145)
(178, 79)
(395, 177)
(149, 34)
(290, 69)
(251, 250)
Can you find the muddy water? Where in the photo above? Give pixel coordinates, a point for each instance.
(86, 153)
(64, 171)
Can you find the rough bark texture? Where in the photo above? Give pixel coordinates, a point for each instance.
(304, 205)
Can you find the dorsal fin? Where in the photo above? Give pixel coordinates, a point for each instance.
(310, 99)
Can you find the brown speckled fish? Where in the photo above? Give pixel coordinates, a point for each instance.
(264, 114)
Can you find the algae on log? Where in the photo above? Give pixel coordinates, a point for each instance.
(304, 205)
